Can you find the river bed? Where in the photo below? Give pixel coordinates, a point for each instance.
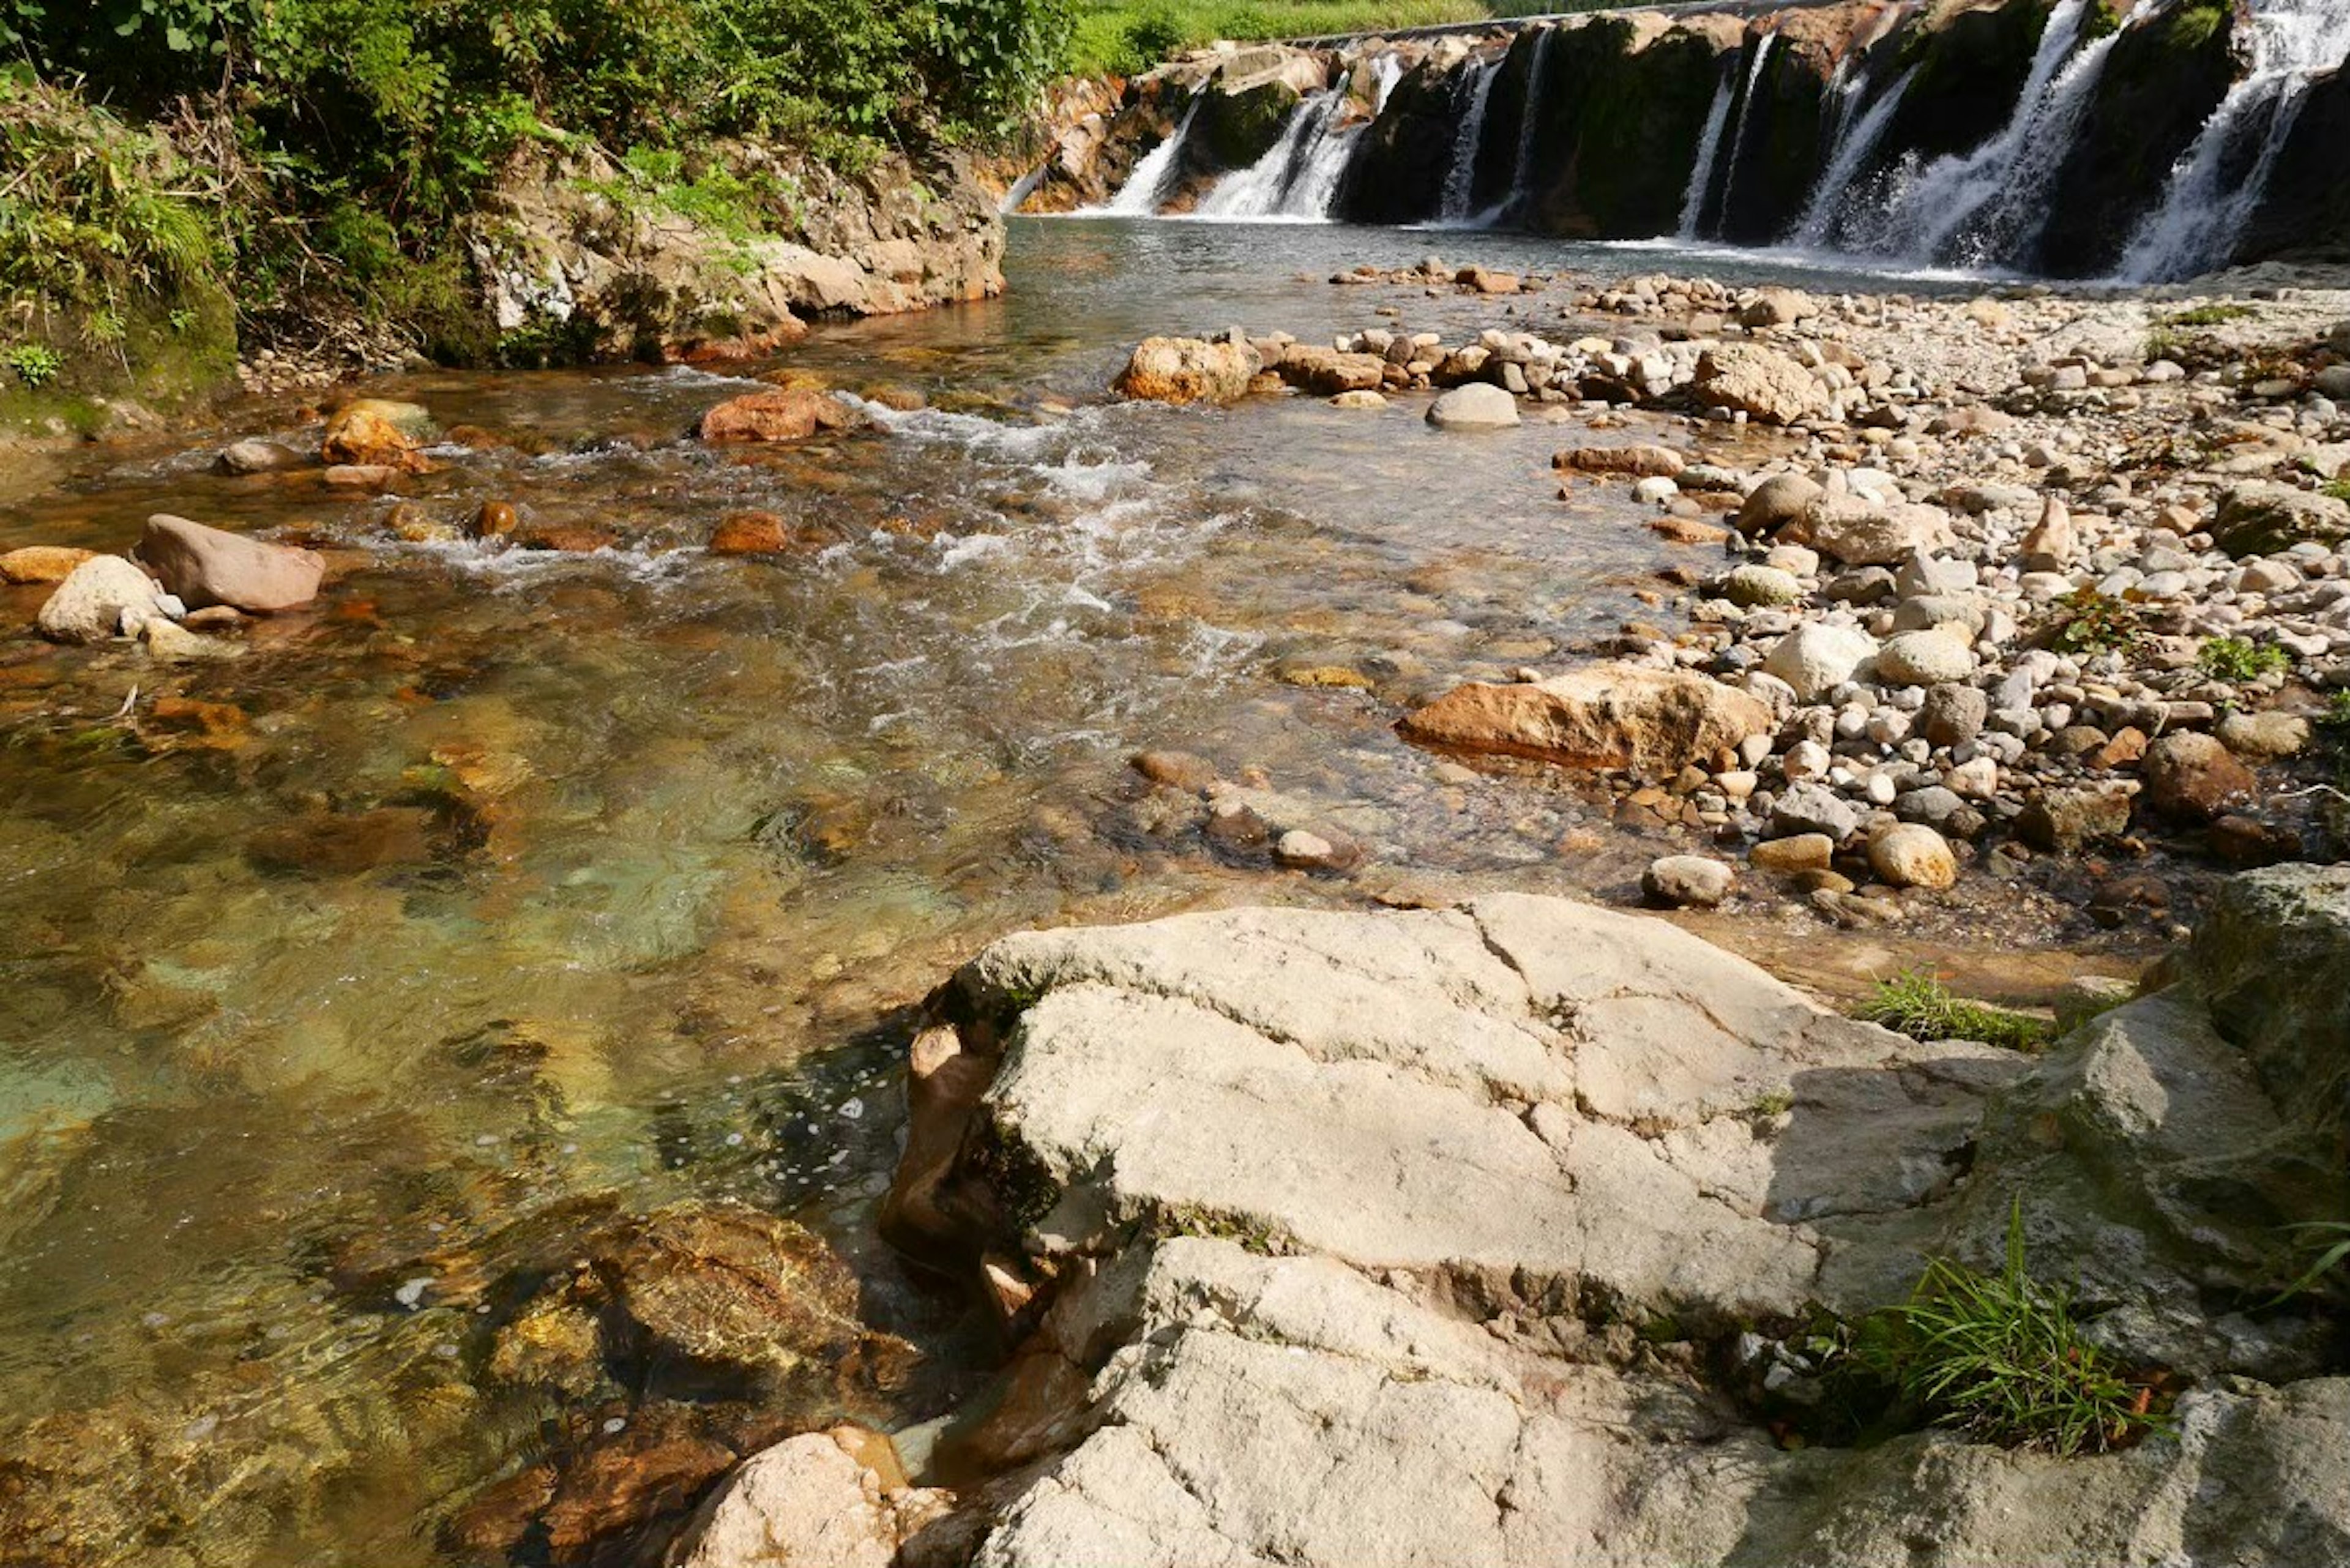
(504, 894)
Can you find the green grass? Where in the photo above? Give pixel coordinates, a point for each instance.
(2209, 316)
(2332, 1239)
(1999, 1358)
(1123, 36)
(2339, 490)
(1923, 1008)
(2235, 660)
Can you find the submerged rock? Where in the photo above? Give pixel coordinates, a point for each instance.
(794, 413)
(38, 564)
(377, 432)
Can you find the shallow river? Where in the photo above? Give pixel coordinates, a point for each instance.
(505, 894)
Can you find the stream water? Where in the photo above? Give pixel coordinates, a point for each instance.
(505, 893)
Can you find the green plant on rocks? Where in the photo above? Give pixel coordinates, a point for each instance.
(2092, 622)
(1999, 1357)
(2209, 316)
(2332, 1241)
(2235, 661)
(1923, 1008)
(35, 364)
(2339, 490)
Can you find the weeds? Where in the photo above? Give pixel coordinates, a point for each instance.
(2332, 1256)
(2235, 661)
(1999, 1358)
(35, 365)
(1923, 1008)
(2095, 623)
(2339, 490)
(2209, 316)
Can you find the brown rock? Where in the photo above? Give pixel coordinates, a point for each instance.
(373, 432)
(1638, 462)
(496, 520)
(566, 538)
(1777, 502)
(649, 1472)
(1686, 531)
(1761, 383)
(934, 1212)
(2127, 746)
(1798, 853)
(1602, 716)
(360, 476)
(41, 564)
(792, 414)
(1187, 370)
(1178, 770)
(207, 566)
(1487, 280)
(760, 534)
(328, 844)
(2191, 777)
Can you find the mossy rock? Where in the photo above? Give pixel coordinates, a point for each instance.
(1615, 155)
(161, 355)
(1396, 173)
(1236, 129)
(1968, 71)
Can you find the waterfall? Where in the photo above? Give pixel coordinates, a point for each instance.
(1708, 148)
(1387, 72)
(2005, 229)
(1145, 188)
(1738, 135)
(1461, 178)
(1855, 142)
(1017, 197)
(1934, 203)
(1522, 172)
(2213, 192)
(1298, 176)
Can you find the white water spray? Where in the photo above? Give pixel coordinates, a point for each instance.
(2213, 192)
(1461, 178)
(1143, 191)
(1708, 148)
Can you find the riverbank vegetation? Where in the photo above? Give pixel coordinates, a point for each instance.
(308, 158)
(1121, 36)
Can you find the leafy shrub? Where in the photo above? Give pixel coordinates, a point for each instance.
(35, 364)
(2235, 660)
(2091, 622)
(1923, 1008)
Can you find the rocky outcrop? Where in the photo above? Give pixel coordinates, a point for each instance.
(1469, 1236)
(586, 259)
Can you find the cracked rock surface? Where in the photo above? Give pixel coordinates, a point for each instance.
(1427, 1236)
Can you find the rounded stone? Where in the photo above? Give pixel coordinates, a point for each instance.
(1687, 881)
(1924, 658)
(1911, 855)
(1479, 405)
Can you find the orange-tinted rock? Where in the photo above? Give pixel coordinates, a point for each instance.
(567, 539)
(217, 719)
(1601, 716)
(373, 432)
(41, 564)
(751, 534)
(496, 520)
(793, 414)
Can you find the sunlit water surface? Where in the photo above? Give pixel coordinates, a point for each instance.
(505, 893)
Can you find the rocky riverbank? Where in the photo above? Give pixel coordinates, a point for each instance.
(1521, 1231)
(2014, 577)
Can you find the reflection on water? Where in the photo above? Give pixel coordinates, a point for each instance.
(350, 991)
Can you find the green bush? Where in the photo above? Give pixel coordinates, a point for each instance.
(2235, 660)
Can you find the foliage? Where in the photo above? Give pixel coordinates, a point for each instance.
(1999, 1357)
(2331, 1239)
(2235, 660)
(1918, 1006)
(344, 138)
(2094, 623)
(2339, 490)
(93, 210)
(1120, 38)
(35, 364)
(2335, 717)
(2209, 316)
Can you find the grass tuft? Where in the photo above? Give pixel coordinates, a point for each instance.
(2332, 1239)
(2235, 660)
(1999, 1358)
(1923, 1008)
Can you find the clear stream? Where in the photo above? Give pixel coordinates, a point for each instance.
(503, 889)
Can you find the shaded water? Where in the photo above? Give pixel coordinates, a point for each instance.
(502, 893)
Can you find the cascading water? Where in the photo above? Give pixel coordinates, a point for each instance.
(1387, 72)
(1855, 142)
(1460, 178)
(1143, 191)
(1522, 172)
(1745, 119)
(1927, 209)
(2005, 229)
(2217, 187)
(1709, 149)
(1298, 176)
